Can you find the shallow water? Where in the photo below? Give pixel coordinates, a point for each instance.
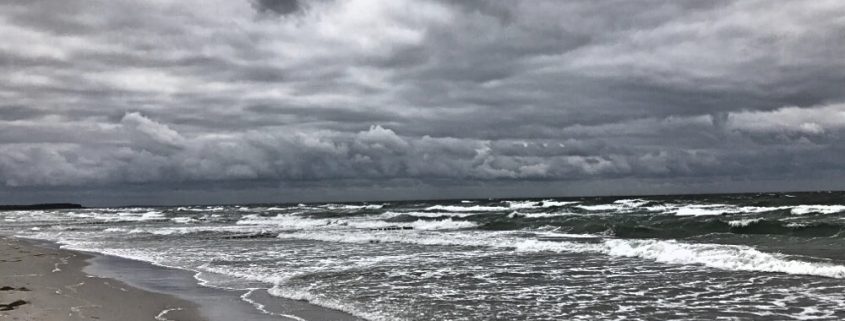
(732, 257)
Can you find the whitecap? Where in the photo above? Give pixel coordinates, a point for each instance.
(476, 208)
(744, 222)
(536, 204)
(600, 207)
(817, 209)
(725, 257)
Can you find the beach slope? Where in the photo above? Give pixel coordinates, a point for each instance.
(44, 284)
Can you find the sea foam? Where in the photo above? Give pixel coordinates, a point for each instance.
(820, 209)
(726, 257)
(476, 208)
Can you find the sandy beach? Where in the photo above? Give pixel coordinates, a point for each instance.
(39, 281)
(44, 284)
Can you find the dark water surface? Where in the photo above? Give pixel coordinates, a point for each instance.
(706, 257)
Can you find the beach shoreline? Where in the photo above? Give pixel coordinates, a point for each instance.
(44, 282)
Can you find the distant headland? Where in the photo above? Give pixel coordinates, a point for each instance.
(46, 206)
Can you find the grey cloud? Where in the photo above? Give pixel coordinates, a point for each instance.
(278, 6)
(158, 153)
(150, 135)
(118, 93)
(17, 112)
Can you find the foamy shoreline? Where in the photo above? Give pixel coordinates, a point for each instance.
(46, 283)
(49, 284)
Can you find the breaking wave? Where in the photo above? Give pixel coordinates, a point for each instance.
(719, 256)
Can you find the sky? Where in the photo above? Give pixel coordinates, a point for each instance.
(116, 102)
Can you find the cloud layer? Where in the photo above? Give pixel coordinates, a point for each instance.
(119, 93)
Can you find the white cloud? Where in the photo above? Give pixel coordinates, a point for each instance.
(810, 121)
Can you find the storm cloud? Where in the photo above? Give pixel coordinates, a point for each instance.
(458, 96)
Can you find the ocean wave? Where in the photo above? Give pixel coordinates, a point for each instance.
(282, 220)
(539, 215)
(537, 204)
(152, 257)
(447, 224)
(352, 207)
(617, 205)
(725, 257)
(227, 231)
(779, 227)
(263, 308)
(700, 210)
(277, 208)
(476, 208)
(635, 202)
(291, 222)
(817, 209)
(559, 235)
(120, 216)
(744, 222)
(465, 238)
(201, 209)
(600, 207)
(325, 301)
(721, 209)
(184, 220)
(391, 214)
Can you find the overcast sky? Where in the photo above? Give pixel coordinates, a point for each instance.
(209, 101)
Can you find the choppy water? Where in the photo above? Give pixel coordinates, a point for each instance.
(731, 257)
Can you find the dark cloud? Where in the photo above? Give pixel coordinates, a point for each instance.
(342, 97)
(14, 112)
(281, 7)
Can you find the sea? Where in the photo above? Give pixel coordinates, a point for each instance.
(772, 256)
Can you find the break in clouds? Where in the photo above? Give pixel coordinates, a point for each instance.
(113, 93)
